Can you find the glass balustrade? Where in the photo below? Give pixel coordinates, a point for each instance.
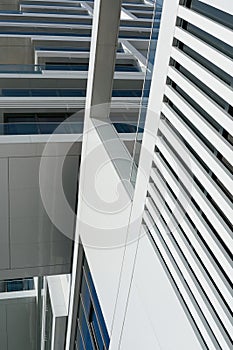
(63, 93)
(20, 68)
(45, 33)
(45, 4)
(39, 68)
(146, 87)
(16, 285)
(33, 10)
(63, 49)
(35, 128)
(57, 127)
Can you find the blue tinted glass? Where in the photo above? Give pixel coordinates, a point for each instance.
(76, 128)
(43, 92)
(96, 304)
(76, 67)
(86, 297)
(28, 284)
(47, 128)
(97, 332)
(91, 322)
(63, 48)
(14, 286)
(45, 34)
(79, 341)
(69, 92)
(20, 129)
(84, 329)
(15, 92)
(126, 68)
(139, 36)
(125, 128)
(64, 92)
(126, 93)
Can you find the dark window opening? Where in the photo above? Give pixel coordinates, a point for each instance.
(91, 330)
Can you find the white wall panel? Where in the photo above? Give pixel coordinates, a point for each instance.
(103, 230)
(158, 308)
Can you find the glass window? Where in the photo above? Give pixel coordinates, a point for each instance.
(96, 329)
(84, 328)
(91, 327)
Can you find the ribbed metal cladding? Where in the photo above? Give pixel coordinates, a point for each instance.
(188, 210)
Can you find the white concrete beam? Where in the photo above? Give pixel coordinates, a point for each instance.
(103, 51)
(104, 44)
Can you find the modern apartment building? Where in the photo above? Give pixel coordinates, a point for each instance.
(116, 135)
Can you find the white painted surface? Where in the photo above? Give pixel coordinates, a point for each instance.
(103, 230)
(154, 106)
(126, 15)
(59, 310)
(57, 297)
(155, 318)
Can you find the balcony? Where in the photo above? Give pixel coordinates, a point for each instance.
(40, 68)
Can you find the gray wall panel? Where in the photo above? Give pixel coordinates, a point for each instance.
(4, 226)
(29, 239)
(35, 240)
(3, 329)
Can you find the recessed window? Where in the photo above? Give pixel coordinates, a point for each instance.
(91, 330)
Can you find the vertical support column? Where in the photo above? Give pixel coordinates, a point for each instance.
(39, 311)
(104, 42)
(44, 306)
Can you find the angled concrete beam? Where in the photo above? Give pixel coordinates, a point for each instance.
(103, 52)
(104, 42)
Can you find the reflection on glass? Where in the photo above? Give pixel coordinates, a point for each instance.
(16, 285)
(146, 87)
(91, 331)
(64, 93)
